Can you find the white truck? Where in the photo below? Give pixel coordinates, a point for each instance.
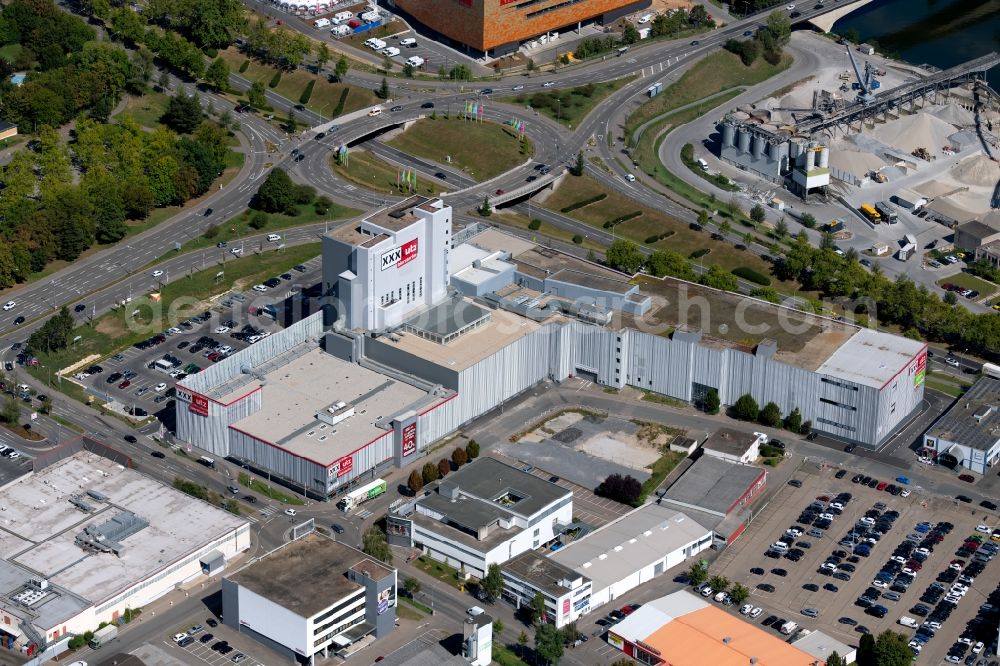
(103, 636)
(908, 622)
(375, 44)
(361, 494)
(415, 61)
(341, 17)
(788, 627)
(321, 23)
(390, 52)
(340, 30)
(906, 251)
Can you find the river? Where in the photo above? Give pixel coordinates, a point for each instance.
(942, 33)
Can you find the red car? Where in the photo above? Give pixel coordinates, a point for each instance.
(881, 485)
(971, 545)
(968, 478)
(627, 610)
(823, 498)
(125, 384)
(499, 192)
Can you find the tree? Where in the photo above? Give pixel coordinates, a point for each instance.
(409, 70)
(217, 74)
(739, 594)
(780, 27)
(718, 277)
(746, 408)
(373, 543)
(625, 489)
(548, 643)
(276, 194)
(387, 64)
(781, 229)
(183, 113)
(711, 403)
(459, 456)
(53, 334)
(538, 612)
(522, 640)
(758, 214)
(415, 482)
(493, 582)
(11, 410)
(412, 586)
(291, 124)
(383, 89)
(770, 415)
(472, 449)
(256, 96)
(668, 262)
(808, 220)
(725, 227)
(891, 649)
(322, 56)
(497, 627)
(486, 209)
(835, 659)
(429, 473)
(630, 34)
(793, 422)
(950, 298)
(702, 217)
(577, 169)
(718, 584)
(340, 69)
(697, 573)
(625, 256)
(444, 467)
(866, 651)
(460, 73)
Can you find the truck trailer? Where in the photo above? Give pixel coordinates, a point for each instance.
(361, 495)
(103, 636)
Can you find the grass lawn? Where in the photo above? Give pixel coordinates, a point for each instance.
(483, 150)
(969, 281)
(573, 104)
(513, 219)
(407, 610)
(440, 570)
(943, 384)
(372, 173)
(651, 222)
(147, 109)
(660, 469)
(177, 301)
(239, 226)
(325, 95)
(717, 72)
(268, 491)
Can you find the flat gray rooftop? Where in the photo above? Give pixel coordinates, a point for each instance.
(492, 481)
(448, 319)
(419, 652)
(544, 573)
(732, 442)
(470, 513)
(39, 525)
(295, 392)
(593, 281)
(712, 484)
(52, 609)
(494, 537)
(873, 358)
(634, 541)
(283, 576)
(973, 419)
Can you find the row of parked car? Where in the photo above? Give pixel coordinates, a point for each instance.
(980, 634)
(887, 486)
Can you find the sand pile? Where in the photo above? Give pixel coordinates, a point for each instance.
(954, 114)
(921, 130)
(977, 170)
(847, 157)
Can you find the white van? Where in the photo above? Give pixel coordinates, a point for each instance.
(630, 178)
(321, 23)
(415, 61)
(779, 546)
(645, 18)
(376, 111)
(908, 622)
(343, 16)
(340, 30)
(409, 41)
(375, 44)
(474, 611)
(273, 238)
(390, 52)
(703, 164)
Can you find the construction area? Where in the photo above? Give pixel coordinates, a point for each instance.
(863, 127)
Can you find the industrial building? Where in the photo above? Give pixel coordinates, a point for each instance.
(775, 154)
(682, 629)
(632, 550)
(717, 493)
(85, 537)
(485, 513)
(968, 434)
(567, 593)
(499, 27)
(734, 446)
(323, 404)
(312, 596)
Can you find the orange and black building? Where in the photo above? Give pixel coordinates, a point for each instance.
(498, 27)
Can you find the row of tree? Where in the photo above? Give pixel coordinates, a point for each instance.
(746, 409)
(768, 40)
(431, 472)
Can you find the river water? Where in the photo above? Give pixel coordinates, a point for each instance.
(942, 33)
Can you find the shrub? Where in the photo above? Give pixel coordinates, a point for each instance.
(339, 109)
(770, 415)
(258, 220)
(307, 93)
(583, 202)
(746, 408)
(472, 449)
(275, 80)
(211, 232)
(459, 456)
(751, 275)
(687, 153)
(578, 239)
(210, 52)
(444, 466)
(535, 225)
(610, 224)
(243, 67)
(697, 254)
(624, 489)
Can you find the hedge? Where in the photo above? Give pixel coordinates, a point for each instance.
(307, 93)
(340, 105)
(751, 275)
(243, 67)
(699, 253)
(535, 225)
(655, 238)
(275, 80)
(583, 202)
(624, 218)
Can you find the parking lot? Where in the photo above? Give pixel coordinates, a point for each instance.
(216, 645)
(826, 569)
(141, 377)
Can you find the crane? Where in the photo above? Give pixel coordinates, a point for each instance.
(866, 83)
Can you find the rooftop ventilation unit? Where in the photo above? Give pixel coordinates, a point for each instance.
(97, 495)
(335, 413)
(107, 537)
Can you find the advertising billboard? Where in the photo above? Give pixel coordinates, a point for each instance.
(400, 255)
(199, 404)
(920, 369)
(409, 439)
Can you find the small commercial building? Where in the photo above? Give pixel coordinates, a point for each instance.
(717, 494)
(734, 446)
(488, 512)
(909, 199)
(682, 629)
(968, 434)
(971, 236)
(634, 549)
(312, 596)
(567, 593)
(821, 646)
